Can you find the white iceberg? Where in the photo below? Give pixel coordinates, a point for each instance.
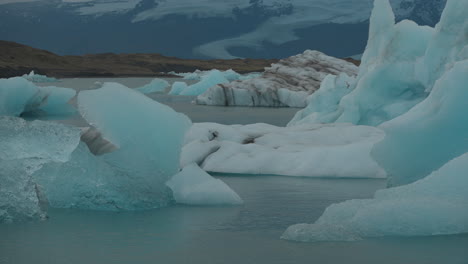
(435, 205)
(194, 186)
(286, 83)
(155, 86)
(335, 150)
(25, 147)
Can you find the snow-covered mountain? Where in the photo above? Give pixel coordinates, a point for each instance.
(200, 28)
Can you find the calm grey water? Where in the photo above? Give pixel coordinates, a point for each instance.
(241, 235)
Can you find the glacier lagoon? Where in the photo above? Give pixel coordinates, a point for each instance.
(238, 234)
(233, 234)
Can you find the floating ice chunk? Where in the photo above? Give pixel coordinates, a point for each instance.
(155, 86)
(195, 187)
(286, 83)
(432, 133)
(37, 78)
(177, 88)
(213, 78)
(310, 150)
(435, 205)
(15, 94)
(147, 138)
(19, 96)
(24, 148)
(196, 151)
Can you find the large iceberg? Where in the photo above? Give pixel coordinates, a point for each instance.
(429, 138)
(286, 83)
(435, 205)
(19, 96)
(155, 86)
(214, 77)
(25, 147)
(194, 186)
(388, 83)
(335, 150)
(230, 75)
(148, 137)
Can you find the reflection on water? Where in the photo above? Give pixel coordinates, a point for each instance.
(243, 234)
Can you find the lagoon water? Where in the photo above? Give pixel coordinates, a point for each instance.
(240, 234)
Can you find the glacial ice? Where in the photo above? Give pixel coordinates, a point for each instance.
(194, 186)
(286, 83)
(148, 137)
(155, 86)
(435, 205)
(19, 96)
(309, 150)
(177, 88)
(424, 136)
(230, 75)
(25, 147)
(388, 82)
(37, 78)
(214, 77)
(430, 134)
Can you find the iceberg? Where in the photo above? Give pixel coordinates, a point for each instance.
(19, 96)
(147, 138)
(37, 78)
(230, 75)
(388, 83)
(214, 77)
(177, 88)
(284, 84)
(430, 134)
(308, 151)
(193, 186)
(435, 205)
(155, 86)
(425, 144)
(25, 147)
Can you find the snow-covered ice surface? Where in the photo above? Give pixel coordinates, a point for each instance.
(37, 78)
(133, 176)
(155, 86)
(335, 150)
(24, 148)
(19, 96)
(418, 139)
(435, 205)
(194, 186)
(286, 83)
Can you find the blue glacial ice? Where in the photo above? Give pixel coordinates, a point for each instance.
(155, 86)
(177, 88)
(388, 82)
(435, 205)
(193, 186)
(213, 78)
(19, 96)
(25, 147)
(148, 137)
(37, 78)
(425, 146)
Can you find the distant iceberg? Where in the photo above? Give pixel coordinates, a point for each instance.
(155, 86)
(37, 78)
(284, 84)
